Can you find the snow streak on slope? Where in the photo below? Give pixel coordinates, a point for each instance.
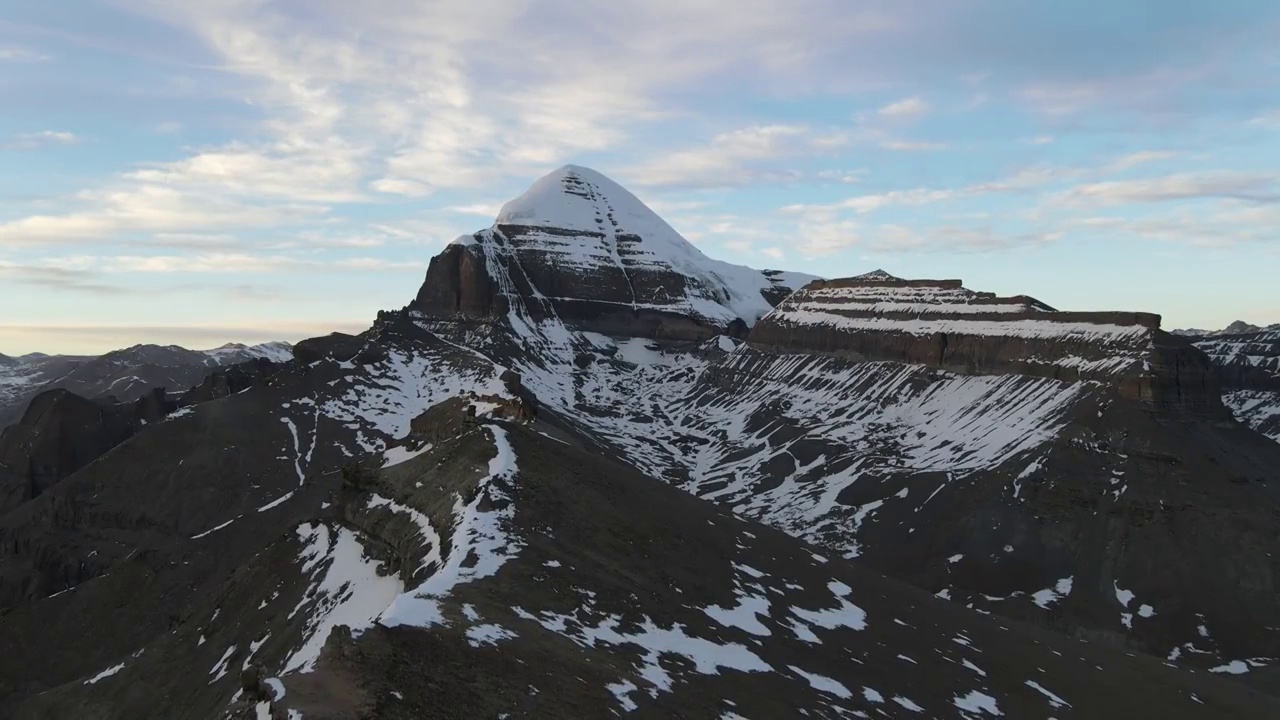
(780, 438)
(381, 403)
(346, 589)
(480, 544)
(1259, 409)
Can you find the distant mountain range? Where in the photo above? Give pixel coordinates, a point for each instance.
(125, 375)
(589, 472)
(1238, 327)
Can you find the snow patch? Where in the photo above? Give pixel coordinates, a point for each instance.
(477, 534)
(1048, 596)
(825, 684)
(348, 590)
(977, 702)
(106, 674)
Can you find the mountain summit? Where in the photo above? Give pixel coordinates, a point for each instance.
(579, 246)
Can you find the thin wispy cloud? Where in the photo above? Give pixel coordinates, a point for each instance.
(907, 108)
(912, 146)
(37, 140)
(20, 54)
(1251, 187)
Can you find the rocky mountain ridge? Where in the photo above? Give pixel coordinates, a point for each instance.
(125, 375)
(512, 497)
(1239, 327)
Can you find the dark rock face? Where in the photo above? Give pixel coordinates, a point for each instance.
(62, 432)
(457, 283)
(607, 300)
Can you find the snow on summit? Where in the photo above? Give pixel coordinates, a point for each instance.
(589, 220)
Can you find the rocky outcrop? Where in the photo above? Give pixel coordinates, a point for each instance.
(62, 432)
(580, 248)
(942, 324)
(234, 379)
(340, 347)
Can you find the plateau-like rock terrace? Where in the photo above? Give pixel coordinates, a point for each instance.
(942, 324)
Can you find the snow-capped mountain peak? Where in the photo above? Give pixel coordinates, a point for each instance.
(582, 245)
(579, 198)
(876, 276)
(276, 351)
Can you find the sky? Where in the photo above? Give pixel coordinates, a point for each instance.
(204, 171)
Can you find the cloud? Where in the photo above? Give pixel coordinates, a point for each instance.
(487, 210)
(818, 238)
(862, 204)
(319, 172)
(1253, 187)
(1269, 119)
(96, 339)
(44, 138)
(733, 158)
(59, 279)
(827, 237)
(1139, 158)
(18, 54)
(844, 177)
(233, 263)
(1222, 225)
(774, 252)
(377, 106)
(151, 209)
(86, 273)
(910, 146)
(907, 108)
(661, 206)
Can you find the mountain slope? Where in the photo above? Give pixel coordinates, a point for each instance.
(1082, 445)
(586, 588)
